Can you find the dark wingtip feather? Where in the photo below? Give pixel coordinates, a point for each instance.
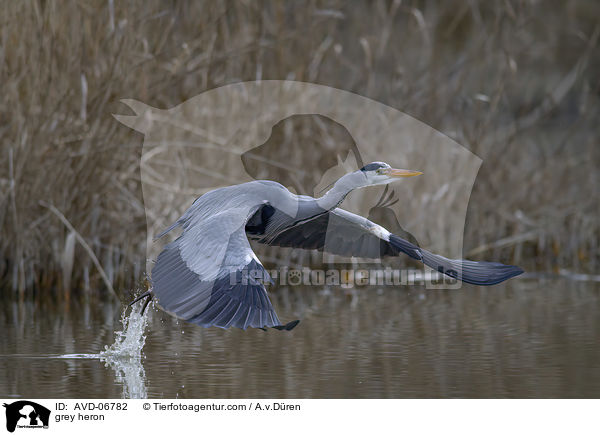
(288, 326)
(471, 272)
(496, 273)
(513, 271)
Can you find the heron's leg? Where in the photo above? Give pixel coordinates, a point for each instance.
(148, 296)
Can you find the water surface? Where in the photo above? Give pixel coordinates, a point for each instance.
(524, 338)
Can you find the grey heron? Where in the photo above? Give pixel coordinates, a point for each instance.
(210, 276)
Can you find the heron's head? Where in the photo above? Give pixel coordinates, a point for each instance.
(381, 173)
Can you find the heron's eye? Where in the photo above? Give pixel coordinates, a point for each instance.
(379, 172)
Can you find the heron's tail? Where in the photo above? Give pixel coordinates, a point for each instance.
(472, 272)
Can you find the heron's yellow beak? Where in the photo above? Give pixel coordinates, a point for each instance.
(391, 172)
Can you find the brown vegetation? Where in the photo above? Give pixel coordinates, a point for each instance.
(517, 82)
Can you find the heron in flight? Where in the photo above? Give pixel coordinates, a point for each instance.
(211, 277)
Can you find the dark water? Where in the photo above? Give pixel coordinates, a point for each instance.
(521, 339)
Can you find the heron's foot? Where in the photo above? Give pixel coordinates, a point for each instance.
(148, 296)
(288, 326)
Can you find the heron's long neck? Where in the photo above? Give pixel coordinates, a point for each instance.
(338, 192)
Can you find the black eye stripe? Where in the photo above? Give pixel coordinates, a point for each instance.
(373, 166)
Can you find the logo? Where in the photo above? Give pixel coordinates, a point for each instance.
(306, 137)
(26, 414)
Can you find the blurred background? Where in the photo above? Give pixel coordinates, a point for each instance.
(517, 82)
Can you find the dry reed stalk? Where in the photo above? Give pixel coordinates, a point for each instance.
(515, 82)
(85, 246)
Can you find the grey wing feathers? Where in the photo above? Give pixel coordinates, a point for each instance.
(228, 300)
(343, 233)
(162, 233)
(208, 275)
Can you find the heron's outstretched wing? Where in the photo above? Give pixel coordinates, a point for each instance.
(210, 276)
(343, 233)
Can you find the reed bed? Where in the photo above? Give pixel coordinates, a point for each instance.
(516, 82)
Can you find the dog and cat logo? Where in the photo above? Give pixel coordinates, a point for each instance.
(26, 414)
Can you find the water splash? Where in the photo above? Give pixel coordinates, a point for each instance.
(125, 355)
(130, 341)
